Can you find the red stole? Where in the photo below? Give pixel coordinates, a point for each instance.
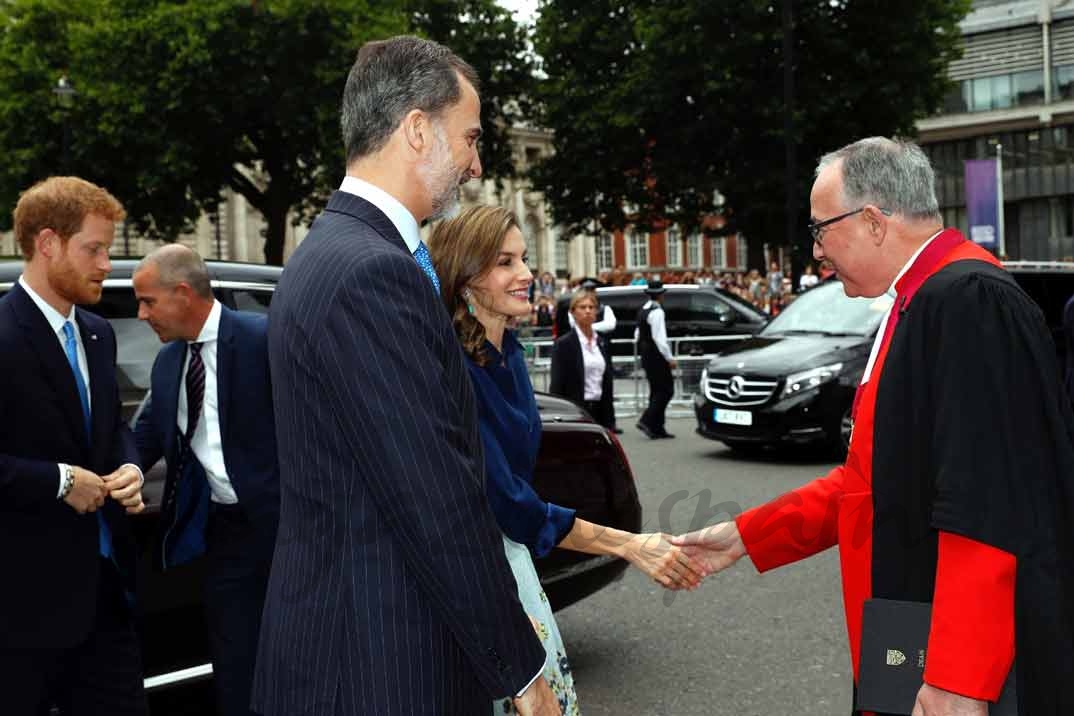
(856, 508)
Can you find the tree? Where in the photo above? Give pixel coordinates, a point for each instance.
(656, 106)
(177, 100)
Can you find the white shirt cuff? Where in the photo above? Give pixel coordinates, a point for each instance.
(141, 475)
(535, 677)
(63, 478)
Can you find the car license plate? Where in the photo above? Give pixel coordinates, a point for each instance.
(734, 417)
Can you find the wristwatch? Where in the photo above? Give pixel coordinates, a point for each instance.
(68, 481)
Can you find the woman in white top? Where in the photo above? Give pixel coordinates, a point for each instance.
(582, 364)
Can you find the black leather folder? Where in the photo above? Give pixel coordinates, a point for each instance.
(894, 642)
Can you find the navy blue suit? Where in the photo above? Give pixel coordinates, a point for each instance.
(239, 539)
(63, 604)
(390, 591)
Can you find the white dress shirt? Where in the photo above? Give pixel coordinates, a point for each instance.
(658, 329)
(207, 443)
(399, 215)
(593, 365)
(606, 324)
(887, 314)
(407, 226)
(56, 320)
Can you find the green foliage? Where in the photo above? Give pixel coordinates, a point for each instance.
(485, 35)
(177, 100)
(656, 105)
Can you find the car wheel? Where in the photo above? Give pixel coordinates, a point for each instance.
(839, 438)
(747, 449)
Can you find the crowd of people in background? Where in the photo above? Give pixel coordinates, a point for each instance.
(769, 291)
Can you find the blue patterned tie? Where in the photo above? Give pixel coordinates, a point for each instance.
(71, 348)
(426, 263)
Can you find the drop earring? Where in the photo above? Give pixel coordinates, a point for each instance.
(466, 295)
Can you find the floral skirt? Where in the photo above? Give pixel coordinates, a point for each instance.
(557, 672)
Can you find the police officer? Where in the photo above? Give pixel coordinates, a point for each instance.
(651, 337)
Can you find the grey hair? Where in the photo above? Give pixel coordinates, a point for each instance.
(392, 77)
(889, 173)
(178, 264)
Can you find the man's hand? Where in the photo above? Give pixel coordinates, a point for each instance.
(932, 701)
(125, 487)
(673, 364)
(714, 548)
(538, 700)
(87, 491)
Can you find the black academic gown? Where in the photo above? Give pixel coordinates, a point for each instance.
(981, 445)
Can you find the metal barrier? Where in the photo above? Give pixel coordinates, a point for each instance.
(632, 402)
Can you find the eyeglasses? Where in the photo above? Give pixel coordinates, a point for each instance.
(816, 228)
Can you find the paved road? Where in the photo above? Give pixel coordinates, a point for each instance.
(742, 644)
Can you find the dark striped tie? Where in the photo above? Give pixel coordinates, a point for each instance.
(195, 397)
(195, 390)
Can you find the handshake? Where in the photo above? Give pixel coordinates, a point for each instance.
(89, 490)
(682, 562)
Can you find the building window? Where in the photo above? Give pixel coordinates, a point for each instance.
(1020, 89)
(719, 252)
(605, 258)
(1001, 92)
(637, 249)
(956, 100)
(562, 253)
(742, 251)
(1028, 88)
(674, 252)
(693, 250)
(1063, 77)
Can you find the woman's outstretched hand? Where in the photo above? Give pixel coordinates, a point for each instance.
(654, 554)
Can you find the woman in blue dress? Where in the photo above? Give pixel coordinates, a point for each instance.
(480, 257)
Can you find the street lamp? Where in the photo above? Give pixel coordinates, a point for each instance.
(65, 94)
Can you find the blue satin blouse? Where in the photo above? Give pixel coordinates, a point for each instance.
(511, 435)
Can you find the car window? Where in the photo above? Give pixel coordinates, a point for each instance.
(676, 307)
(827, 309)
(136, 344)
(252, 300)
(624, 305)
(751, 313)
(706, 307)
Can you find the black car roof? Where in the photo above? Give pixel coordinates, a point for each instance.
(218, 271)
(680, 288)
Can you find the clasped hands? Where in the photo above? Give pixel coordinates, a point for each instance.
(89, 490)
(682, 562)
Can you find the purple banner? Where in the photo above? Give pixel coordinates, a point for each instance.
(981, 206)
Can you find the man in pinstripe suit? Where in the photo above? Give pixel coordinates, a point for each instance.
(390, 592)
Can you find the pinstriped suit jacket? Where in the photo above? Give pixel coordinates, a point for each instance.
(390, 592)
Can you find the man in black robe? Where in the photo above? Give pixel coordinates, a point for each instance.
(959, 486)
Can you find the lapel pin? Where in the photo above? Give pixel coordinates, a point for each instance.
(93, 336)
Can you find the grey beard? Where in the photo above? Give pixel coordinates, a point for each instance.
(446, 206)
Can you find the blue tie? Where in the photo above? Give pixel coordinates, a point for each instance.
(70, 346)
(426, 263)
